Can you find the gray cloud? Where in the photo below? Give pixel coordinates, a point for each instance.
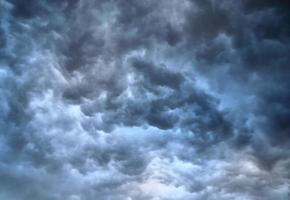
(144, 100)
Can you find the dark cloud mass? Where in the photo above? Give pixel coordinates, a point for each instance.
(147, 100)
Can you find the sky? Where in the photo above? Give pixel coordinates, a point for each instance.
(144, 100)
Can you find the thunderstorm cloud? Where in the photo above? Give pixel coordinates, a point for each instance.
(144, 100)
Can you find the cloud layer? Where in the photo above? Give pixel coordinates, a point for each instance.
(147, 100)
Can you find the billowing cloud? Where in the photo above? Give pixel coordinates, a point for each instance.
(169, 100)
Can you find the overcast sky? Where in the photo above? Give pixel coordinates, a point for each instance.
(144, 100)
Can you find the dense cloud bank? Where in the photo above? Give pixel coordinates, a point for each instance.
(169, 100)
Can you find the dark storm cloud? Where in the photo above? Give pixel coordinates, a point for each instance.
(206, 20)
(158, 76)
(253, 54)
(144, 100)
(247, 44)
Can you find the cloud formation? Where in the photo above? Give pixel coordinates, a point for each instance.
(169, 100)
